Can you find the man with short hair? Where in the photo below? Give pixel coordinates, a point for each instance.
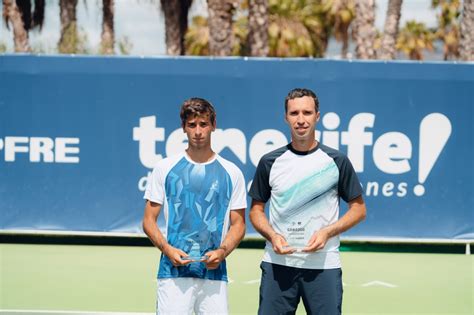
(203, 199)
(303, 181)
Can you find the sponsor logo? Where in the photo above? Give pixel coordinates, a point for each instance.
(40, 149)
(391, 152)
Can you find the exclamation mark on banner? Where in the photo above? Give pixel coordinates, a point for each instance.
(435, 130)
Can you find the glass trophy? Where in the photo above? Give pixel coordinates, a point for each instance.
(295, 235)
(194, 253)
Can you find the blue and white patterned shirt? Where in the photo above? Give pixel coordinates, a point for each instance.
(196, 200)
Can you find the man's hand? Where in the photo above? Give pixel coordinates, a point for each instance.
(215, 257)
(317, 241)
(175, 255)
(280, 245)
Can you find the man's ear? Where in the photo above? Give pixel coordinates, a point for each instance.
(318, 116)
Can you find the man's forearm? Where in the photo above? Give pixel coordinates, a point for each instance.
(233, 238)
(236, 231)
(355, 214)
(154, 234)
(260, 223)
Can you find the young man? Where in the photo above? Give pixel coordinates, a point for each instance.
(203, 199)
(303, 181)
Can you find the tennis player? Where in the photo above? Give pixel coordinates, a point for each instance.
(304, 182)
(203, 199)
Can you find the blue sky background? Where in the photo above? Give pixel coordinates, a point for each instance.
(141, 22)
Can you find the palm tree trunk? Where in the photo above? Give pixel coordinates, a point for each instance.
(68, 42)
(389, 39)
(20, 35)
(220, 26)
(38, 14)
(345, 45)
(467, 31)
(108, 34)
(176, 24)
(365, 29)
(258, 28)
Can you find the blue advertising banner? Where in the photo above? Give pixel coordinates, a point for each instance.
(79, 135)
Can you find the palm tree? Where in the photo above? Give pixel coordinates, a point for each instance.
(38, 15)
(108, 35)
(289, 38)
(365, 32)
(240, 35)
(12, 14)
(258, 28)
(295, 29)
(22, 19)
(197, 37)
(413, 39)
(448, 28)
(387, 49)
(466, 47)
(176, 24)
(299, 28)
(220, 26)
(342, 13)
(69, 41)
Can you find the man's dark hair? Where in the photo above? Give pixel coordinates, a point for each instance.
(297, 93)
(196, 106)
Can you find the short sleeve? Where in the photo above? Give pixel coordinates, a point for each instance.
(239, 197)
(260, 189)
(349, 184)
(155, 187)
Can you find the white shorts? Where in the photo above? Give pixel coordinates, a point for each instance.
(185, 295)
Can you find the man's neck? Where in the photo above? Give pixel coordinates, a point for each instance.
(200, 155)
(304, 145)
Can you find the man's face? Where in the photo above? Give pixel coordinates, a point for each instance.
(302, 117)
(199, 129)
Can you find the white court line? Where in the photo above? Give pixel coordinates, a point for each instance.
(11, 311)
(379, 284)
(252, 281)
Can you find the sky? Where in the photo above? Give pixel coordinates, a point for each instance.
(141, 23)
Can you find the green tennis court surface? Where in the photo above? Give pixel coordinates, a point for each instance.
(72, 279)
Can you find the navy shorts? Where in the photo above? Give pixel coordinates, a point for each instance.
(282, 287)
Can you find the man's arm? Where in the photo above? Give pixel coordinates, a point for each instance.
(355, 214)
(150, 227)
(260, 223)
(232, 239)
